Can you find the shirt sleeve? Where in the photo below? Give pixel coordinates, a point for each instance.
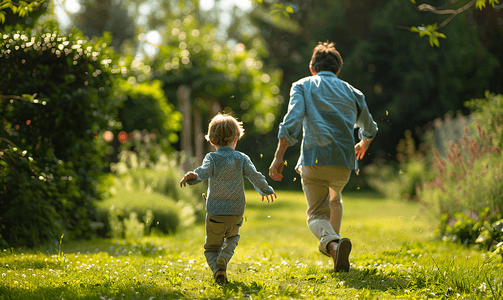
(291, 126)
(256, 178)
(364, 121)
(205, 171)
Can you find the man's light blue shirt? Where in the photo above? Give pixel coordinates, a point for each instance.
(328, 110)
(225, 170)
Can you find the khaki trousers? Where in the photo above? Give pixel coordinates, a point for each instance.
(322, 187)
(222, 237)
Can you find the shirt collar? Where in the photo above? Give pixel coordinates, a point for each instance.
(326, 73)
(225, 148)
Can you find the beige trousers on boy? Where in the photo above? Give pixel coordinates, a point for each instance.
(322, 188)
(222, 237)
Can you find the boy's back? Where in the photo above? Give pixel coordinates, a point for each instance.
(225, 170)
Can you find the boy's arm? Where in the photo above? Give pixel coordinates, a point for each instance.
(190, 176)
(256, 178)
(204, 172)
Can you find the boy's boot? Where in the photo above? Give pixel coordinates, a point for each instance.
(340, 253)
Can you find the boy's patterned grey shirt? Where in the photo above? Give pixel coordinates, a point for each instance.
(225, 170)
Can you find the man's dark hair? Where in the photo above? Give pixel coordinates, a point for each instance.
(326, 58)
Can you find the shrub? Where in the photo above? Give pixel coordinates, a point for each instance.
(56, 92)
(159, 212)
(467, 194)
(489, 112)
(470, 178)
(147, 108)
(147, 179)
(144, 166)
(400, 180)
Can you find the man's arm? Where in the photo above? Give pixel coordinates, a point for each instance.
(277, 165)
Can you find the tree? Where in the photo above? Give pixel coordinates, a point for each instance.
(99, 16)
(207, 76)
(405, 81)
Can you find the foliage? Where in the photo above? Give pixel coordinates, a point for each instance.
(469, 179)
(12, 11)
(278, 10)
(96, 17)
(467, 193)
(489, 112)
(145, 171)
(483, 228)
(35, 199)
(431, 30)
(366, 33)
(147, 108)
(71, 81)
(164, 215)
(236, 78)
(402, 263)
(400, 180)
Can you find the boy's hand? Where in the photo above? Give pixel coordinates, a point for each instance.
(361, 148)
(189, 175)
(272, 198)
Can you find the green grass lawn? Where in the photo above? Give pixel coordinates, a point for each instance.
(394, 257)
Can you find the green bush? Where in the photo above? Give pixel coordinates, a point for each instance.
(147, 108)
(489, 113)
(147, 179)
(167, 215)
(400, 180)
(57, 92)
(144, 166)
(485, 229)
(467, 192)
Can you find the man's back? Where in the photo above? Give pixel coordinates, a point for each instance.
(327, 108)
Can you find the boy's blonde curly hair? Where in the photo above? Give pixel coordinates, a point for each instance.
(223, 129)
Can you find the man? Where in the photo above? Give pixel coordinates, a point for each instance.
(327, 109)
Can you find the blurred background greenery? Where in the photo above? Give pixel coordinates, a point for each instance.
(104, 105)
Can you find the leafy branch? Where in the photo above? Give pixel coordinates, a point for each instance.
(21, 8)
(24, 97)
(279, 10)
(431, 30)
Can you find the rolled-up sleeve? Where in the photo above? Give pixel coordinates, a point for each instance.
(256, 178)
(291, 126)
(364, 121)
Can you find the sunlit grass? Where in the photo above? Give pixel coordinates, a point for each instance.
(393, 257)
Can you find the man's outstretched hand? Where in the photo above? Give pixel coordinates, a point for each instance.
(361, 148)
(273, 196)
(276, 169)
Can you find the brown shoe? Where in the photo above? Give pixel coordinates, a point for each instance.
(221, 277)
(340, 253)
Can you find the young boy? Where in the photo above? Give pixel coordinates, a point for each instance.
(326, 109)
(225, 202)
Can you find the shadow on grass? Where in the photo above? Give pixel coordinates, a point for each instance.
(370, 279)
(89, 291)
